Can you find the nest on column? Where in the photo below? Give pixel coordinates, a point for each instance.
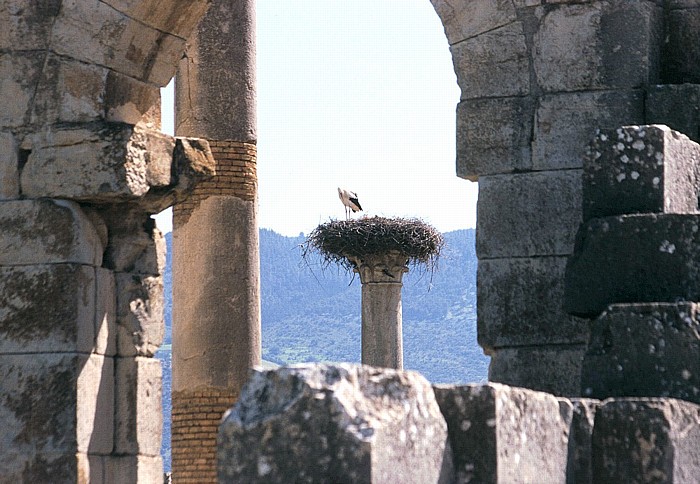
(338, 241)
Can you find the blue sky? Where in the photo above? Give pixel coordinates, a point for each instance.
(359, 94)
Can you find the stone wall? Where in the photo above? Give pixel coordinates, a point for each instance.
(82, 168)
(538, 77)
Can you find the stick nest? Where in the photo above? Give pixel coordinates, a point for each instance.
(339, 240)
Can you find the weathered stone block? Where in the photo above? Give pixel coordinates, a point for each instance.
(516, 214)
(138, 422)
(19, 73)
(47, 232)
(502, 434)
(640, 169)
(598, 45)
(9, 167)
(580, 452)
(681, 56)
(633, 258)
(644, 350)
(26, 25)
(339, 423)
(65, 467)
(646, 440)
(94, 32)
(463, 20)
(51, 404)
(127, 100)
(493, 64)
(133, 468)
(676, 106)
(135, 244)
(139, 314)
(105, 313)
(520, 303)
(69, 91)
(47, 308)
(178, 17)
(552, 369)
(493, 136)
(565, 124)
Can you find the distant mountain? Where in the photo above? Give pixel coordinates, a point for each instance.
(311, 313)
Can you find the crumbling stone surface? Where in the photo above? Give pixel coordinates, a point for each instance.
(9, 173)
(633, 258)
(140, 328)
(334, 423)
(503, 434)
(46, 231)
(463, 20)
(53, 406)
(640, 169)
(646, 440)
(554, 369)
(640, 350)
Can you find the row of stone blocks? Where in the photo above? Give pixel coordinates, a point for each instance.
(352, 423)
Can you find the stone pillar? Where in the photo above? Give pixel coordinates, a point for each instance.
(216, 303)
(381, 274)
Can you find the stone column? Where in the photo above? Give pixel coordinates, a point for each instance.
(216, 303)
(381, 275)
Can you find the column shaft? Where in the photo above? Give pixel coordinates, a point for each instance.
(382, 342)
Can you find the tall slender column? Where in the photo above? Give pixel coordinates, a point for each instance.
(216, 304)
(382, 340)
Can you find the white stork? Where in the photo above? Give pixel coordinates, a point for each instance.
(349, 199)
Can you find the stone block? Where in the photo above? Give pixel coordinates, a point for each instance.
(580, 452)
(493, 136)
(138, 421)
(504, 435)
(178, 17)
(47, 231)
(676, 106)
(141, 327)
(499, 54)
(681, 55)
(96, 33)
(640, 169)
(633, 258)
(463, 20)
(56, 467)
(105, 312)
(334, 423)
(19, 74)
(644, 350)
(133, 468)
(26, 25)
(57, 403)
(528, 215)
(9, 167)
(520, 303)
(127, 100)
(598, 45)
(552, 369)
(101, 162)
(135, 244)
(47, 308)
(69, 91)
(646, 440)
(565, 124)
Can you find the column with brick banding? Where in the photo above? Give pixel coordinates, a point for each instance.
(216, 303)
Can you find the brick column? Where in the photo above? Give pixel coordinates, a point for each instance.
(216, 289)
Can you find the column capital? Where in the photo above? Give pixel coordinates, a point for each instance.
(388, 267)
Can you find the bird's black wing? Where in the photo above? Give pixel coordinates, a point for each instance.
(354, 200)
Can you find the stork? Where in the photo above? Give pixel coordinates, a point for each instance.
(349, 199)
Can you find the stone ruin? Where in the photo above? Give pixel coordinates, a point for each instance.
(587, 285)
